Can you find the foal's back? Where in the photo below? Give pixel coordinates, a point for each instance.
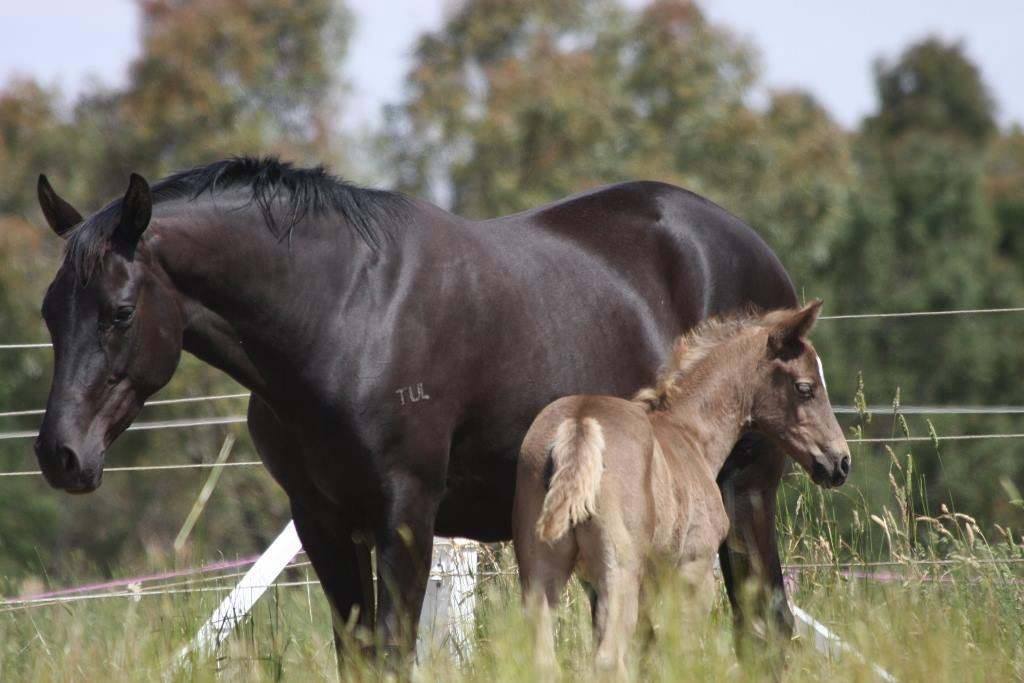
(600, 434)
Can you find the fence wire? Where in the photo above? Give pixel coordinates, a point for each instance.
(134, 589)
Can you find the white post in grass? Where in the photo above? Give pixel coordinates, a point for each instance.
(446, 618)
(824, 640)
(241, 599)
(829, 644)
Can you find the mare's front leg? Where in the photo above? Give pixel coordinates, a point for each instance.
(750, 555)
(404, 545)
(341, 563)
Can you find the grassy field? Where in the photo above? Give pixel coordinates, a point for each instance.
(943, 603)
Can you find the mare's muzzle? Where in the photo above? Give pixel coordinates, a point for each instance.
(66, 467)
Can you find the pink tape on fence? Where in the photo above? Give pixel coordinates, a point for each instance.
(792, 574)
(106, 585)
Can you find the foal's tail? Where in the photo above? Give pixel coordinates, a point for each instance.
(576, 456)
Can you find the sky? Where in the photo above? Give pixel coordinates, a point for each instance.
(826, 47)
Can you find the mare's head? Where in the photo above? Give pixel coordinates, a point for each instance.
(116, 327)
(790, 403)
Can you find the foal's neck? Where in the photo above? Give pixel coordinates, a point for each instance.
(714, 400)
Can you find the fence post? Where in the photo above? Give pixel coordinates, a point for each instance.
(447, 617)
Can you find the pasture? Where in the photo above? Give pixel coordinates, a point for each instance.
(570, 186)
(952, 613)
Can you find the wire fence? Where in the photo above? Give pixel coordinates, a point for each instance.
(841, 409)
(848, 316)
(838, 409)
(199, 583)
(159, 402)
(134, 590)
(923, 314)
(148, 426)
(258, 463)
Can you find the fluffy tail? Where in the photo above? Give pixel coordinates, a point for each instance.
(577, 459)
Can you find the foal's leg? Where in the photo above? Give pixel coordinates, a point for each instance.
(618, 606)
(544, 568)
(612, 560)
(698, 582)
(404, 547)
(543, 572)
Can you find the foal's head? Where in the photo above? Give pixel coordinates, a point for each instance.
(789, 400)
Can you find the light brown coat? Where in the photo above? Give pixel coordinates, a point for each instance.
(610, 487)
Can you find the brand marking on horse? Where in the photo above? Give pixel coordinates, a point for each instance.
(414, 394)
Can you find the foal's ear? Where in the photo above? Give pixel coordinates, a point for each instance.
(59, 214)
(795, 327)
(136, 210)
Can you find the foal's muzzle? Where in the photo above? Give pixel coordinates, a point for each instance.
(831, 469)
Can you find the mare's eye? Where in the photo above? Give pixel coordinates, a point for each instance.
(124, 315)
(805, 389)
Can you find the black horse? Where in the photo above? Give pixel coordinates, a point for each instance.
(396, 353)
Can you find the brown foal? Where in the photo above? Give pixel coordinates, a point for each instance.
(610, 487)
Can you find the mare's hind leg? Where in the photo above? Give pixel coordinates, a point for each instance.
(750, 556)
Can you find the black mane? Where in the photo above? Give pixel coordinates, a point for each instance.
(283, 193)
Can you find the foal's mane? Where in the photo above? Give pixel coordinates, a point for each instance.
(694, 346)
(283, 193)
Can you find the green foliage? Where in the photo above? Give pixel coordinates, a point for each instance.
(934, 88)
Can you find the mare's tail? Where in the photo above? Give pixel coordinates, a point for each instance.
(577, 461)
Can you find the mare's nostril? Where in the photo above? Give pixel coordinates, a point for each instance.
(68, 460)
(844, 465)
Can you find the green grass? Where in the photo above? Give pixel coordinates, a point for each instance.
(969, 628)
(955, 612)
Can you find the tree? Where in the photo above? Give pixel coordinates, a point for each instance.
(507, 108)
(933, 87)
(923, 236)
(800, 195)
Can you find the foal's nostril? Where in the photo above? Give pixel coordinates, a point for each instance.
(68, 460)
(844, 465)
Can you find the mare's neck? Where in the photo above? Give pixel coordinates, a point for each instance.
(252, 301)
(713, 405)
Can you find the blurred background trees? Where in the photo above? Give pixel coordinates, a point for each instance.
(507, 105)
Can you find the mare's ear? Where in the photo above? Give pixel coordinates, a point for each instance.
(59, 214)
(136, 210)
(789, 332)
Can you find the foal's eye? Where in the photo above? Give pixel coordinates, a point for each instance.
(124, 315)
(805, 389)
